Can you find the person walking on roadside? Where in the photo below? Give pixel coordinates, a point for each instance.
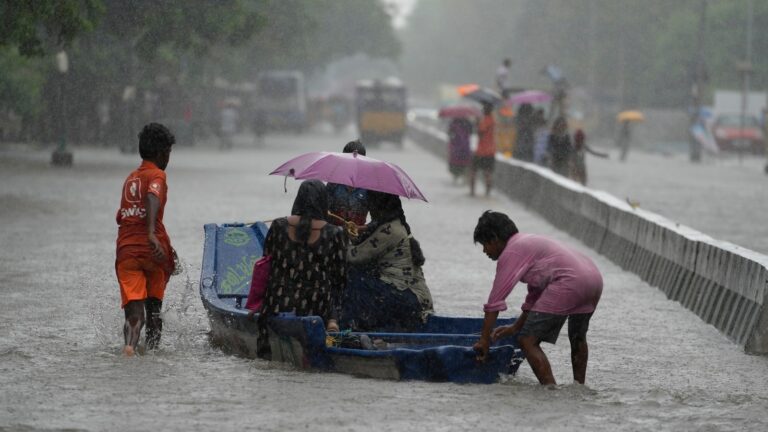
(145, 258)
(459, 152)
(580, 150)
(563, 284)
(525, 122)
(502, 78)
(624, 140)
(560, 148)
(229, 123)
(540, 138)
(484, 158)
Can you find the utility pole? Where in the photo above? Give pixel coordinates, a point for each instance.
(61, 156)
(697, 89)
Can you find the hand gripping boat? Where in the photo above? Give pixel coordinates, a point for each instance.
(439, 351)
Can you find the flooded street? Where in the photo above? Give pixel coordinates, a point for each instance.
(653, 364)
(719, 197)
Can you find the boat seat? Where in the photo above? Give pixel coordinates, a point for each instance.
(238, 246)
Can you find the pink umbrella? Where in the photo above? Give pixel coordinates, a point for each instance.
(530, 96)
(351, 169)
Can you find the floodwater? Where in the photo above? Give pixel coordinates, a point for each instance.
(653, 364)
(723, 196)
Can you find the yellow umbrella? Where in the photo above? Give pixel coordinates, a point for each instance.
(630, 116)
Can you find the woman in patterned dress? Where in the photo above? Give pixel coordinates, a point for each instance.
(308, 271)
(386, 290)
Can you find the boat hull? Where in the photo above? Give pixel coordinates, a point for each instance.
(441, 350)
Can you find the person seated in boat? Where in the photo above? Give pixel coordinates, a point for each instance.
(346, 203)
(386, 289)
(562, 284)
(308, 270)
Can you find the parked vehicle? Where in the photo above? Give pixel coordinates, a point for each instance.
(439, 351)
(381, 109)
(733, 134)
(281, 100)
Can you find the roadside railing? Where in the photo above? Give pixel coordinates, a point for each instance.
(722, 283)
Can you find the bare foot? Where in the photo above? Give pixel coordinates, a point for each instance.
(128, 351)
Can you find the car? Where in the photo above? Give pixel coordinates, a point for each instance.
(731, 134)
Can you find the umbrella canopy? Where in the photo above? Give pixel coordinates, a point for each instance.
(467, 88)
(460, 111)
(530, 96)
(630, 116)
(479, 94)
(484, 96)
(351, 169)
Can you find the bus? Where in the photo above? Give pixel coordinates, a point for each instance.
(281, 101)
(381, 109)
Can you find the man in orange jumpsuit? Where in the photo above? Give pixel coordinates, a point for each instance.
(144, 255)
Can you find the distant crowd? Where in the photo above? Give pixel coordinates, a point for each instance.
(527, 134)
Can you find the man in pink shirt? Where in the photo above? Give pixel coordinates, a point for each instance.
(562, 283)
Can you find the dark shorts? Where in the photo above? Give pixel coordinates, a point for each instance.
(485, 163)
(546, 327)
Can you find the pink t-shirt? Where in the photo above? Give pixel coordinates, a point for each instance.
(560, 280)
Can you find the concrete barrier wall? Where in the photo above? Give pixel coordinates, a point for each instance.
(722, 283)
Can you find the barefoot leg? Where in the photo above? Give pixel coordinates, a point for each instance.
(134, 321)
(154, 322)
(537, 359)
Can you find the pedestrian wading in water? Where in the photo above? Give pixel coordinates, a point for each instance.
(145, 259)
(563, 284)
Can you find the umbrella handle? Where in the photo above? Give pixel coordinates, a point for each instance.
(349, 225)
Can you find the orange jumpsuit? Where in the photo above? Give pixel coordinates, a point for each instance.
(139, 274)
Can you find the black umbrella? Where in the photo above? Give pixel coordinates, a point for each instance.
(484, 96)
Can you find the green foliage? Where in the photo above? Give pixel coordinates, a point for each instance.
(192, 26)
(21, 82)
(35, 25)
(171, 47)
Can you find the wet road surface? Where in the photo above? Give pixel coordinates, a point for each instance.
(653, 364)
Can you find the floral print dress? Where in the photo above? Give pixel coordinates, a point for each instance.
(307, 279)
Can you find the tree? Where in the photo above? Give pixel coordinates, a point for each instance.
(33, 26)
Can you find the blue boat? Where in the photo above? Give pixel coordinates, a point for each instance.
(439, 351)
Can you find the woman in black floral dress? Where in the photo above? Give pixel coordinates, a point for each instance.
(308, 271)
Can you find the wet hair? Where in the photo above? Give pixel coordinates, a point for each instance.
(494, 226)
(386, 207)
(154, 139)
(487, 108)
(311, 203)
(525, 111)
(354, 146)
